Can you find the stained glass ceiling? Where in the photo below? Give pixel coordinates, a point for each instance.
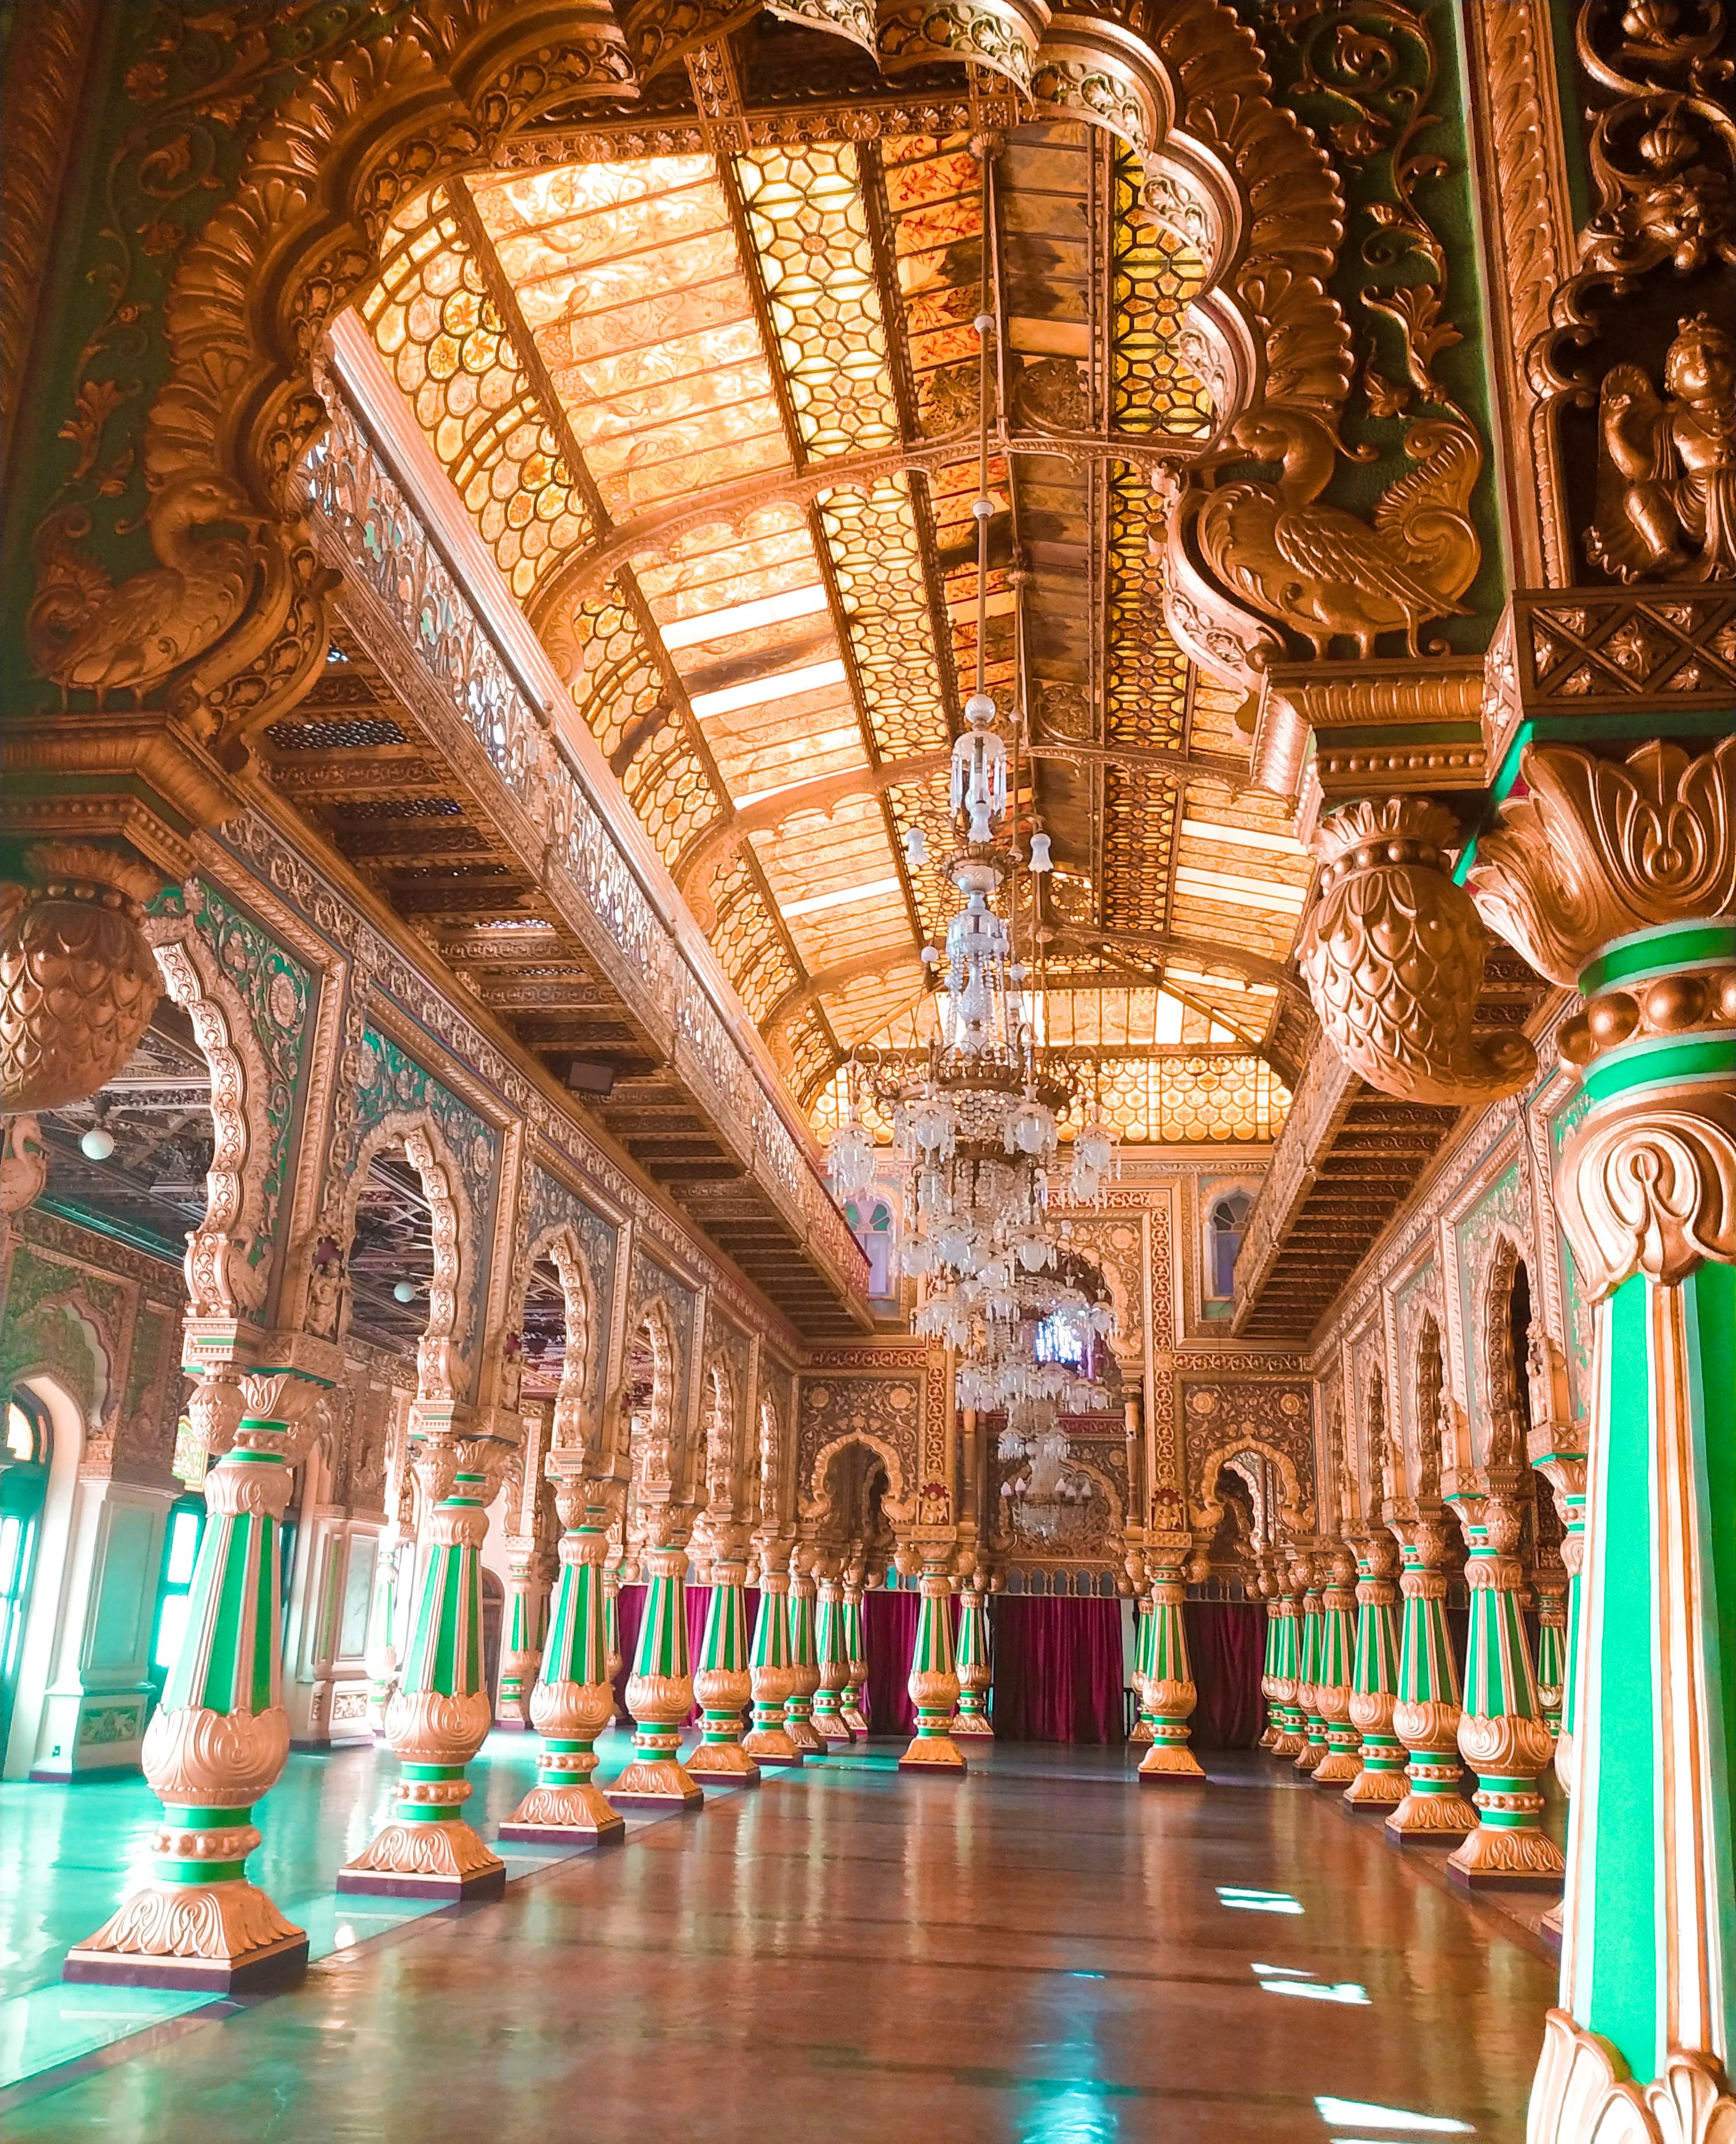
(715, 418)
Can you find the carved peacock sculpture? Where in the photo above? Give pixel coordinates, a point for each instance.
(1322, 571)
(87, 634)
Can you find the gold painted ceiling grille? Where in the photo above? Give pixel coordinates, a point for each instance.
(714, 416)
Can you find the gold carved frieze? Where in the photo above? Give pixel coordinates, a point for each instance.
(1227, 1416)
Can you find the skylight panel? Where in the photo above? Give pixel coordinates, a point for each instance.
(743, 618)
(816, 902)
(781, 685)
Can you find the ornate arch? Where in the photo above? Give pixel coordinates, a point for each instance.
(816, 1499)
(373, 121)
(643, 1441)
(223, 1277)
(1499, 1438)
(419, 1138)
(575, 1424)
(1294, 1510)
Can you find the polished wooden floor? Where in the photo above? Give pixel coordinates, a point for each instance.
(1044, 1952)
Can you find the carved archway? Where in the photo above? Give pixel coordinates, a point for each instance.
(643, 1427)
(419, 1138)
(1505, 1312)
(371, 121)
(576, 1425)
(224, 1279)
(817, 1494)
(1294, 1510)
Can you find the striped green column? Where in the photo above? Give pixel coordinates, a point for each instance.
(933, 1683)
(723, 1682)
(660, 1692)
(1143, 1726)
(770, 1674)
(1268, 1592)
(1309, 1573)
(833, 1666)
(1548, 1583)
(1379, 1784)
(219, 1739)
(382, 1654)
(856, 1655)
(1173, 1693)
(971, 1661)
(524, 1631)
(574, 1699)
(1335, 1669)
(1564, 1471)
(804, 1660)
(1425, 1716)
(440, 1716)
(1286, 1676)
(1502, 1734)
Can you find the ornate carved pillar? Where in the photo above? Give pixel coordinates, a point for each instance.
(723, 1682)
(1308, 1573)
(524, 1631)
(1380, 1783)
(573, 1698)
(831, 1660)
(1171, 1679)
(1549, 1583)
(933, 1682)
(855, 1651)
(1265, 1590)
(804, 1658)
(659, 1690)
(1142, 1630)
(440, 1715)
(771, 1676)
(1557, 1449)
(1501, 1732)
(1620, 877)
(975, 1672)
(1335, 1669)
(1288, 1714)
(1425, 1717)
(219, 1739)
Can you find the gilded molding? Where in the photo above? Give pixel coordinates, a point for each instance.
(1584, 2091)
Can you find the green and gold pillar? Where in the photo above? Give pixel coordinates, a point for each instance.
(834, 1667)
(524, 1631)
(975, 1673)
(660, 1691)
(1380, 1783)
(1549, 1583)
(573, 1698)
(855, 1653)
(1308, 1571)
(1288, 1716)
(804, 1657)
(933, 1683)
(1335, 1669)
(1562, 1466)
(1622, 875)
(1502, 1734)
(1141, 1735)
(1170, 1677)
(723, 1681)
(1266, 1590)
(439, 1715)
(771, 1676)
(1425, 1714)
(218, 1740)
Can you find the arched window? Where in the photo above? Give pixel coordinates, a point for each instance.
(1226, 1226)
(23, 1484)
(874, 1235)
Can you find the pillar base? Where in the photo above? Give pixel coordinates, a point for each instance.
(727, 1762)
(1167, 1761)
(1289, 1744)
(445, 1861)
(934, 1753)
(1371, 1789)
(770, 1746)
(972, 1724)
(235, 1940)
(853, 1720)
(1140, 1738)
(1338, 1768)
(562, 1816)
(1430, 1819)
(1507, 1859)
(803, 1733)
(655, 1782)
(1310, 1756)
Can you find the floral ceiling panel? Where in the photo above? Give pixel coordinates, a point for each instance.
(715, 415)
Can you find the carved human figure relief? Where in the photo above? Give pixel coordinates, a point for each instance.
(1666, 491)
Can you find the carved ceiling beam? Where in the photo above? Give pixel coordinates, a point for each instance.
(823, 981)
(1163, 945)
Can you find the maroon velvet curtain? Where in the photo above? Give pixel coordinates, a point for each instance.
(629, 1614)
(1058, 1669)
(1227, 1649)
(698, 1600)
(889, 1626)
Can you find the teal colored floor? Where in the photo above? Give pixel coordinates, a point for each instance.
(69, 1854)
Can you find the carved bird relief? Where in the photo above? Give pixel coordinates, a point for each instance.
(1318, 568)
(87, 634)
